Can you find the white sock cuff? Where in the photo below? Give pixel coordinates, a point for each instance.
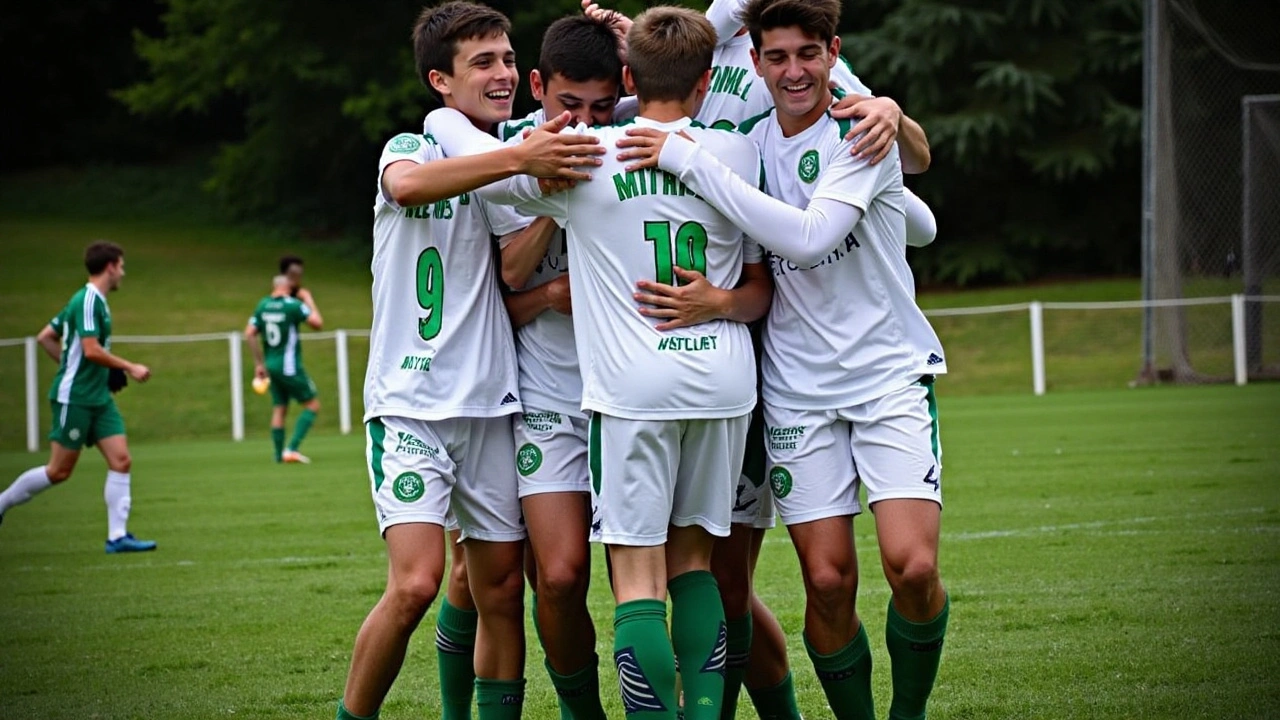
(117, 478)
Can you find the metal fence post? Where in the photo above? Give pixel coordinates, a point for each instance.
(1037, 346)
(237, 387)
(33, 394)
(344, 382)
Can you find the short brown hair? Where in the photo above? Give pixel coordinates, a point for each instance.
(669, 49)
(815, 18)
(580, 48)
(101, 254)
(439, 29)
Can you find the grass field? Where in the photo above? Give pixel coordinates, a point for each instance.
(1108, 554)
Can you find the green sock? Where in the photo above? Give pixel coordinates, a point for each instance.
(777, 702)
(565, 714)
(579, 692)
(277, 439)
(846, 678)
(300, 430)
(698, 636)
(915, 650)
(645, 661)
(737, 653)
(345, 714)
(455, 654)
(499, 699)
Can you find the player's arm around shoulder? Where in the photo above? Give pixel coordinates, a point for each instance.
(309, 312)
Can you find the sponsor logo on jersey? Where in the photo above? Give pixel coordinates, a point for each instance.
(781, 266)
(809, 166)
(410, 445)
(785, 438)
(404, 144)
(638, 694)
(419, 363)
(935, 359)
(930, 478)
(687, 344)
(408, 487)
(528, 459)
(780, 481)
(728, 79)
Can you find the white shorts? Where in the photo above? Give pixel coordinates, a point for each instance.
(650, 474)
(753, 501)
(420, 469)
(551, 453)
(818, 459)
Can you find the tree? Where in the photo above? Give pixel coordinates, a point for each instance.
(1033, 110)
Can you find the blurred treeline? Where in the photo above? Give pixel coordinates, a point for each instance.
(1033, 109)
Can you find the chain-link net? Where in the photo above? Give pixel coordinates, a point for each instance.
(1213, 181)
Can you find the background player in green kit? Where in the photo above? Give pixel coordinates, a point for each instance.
(83, 411)
(276, 319)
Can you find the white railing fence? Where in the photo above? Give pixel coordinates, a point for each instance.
(1079, 333)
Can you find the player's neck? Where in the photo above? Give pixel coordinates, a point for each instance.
(479, 124)
(794, 125)
(665, 111)
(101, 283)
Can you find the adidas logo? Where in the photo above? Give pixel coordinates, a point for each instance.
(510, 398)
(935, 359)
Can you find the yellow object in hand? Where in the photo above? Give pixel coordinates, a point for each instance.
(260, 385)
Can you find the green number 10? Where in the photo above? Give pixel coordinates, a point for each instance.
(430, 283)
(690, 251)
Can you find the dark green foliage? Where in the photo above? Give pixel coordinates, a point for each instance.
(1033, 110)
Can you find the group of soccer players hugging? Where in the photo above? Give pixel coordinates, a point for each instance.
(698, 195)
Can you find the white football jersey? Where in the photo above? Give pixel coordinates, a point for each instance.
(846, 330)
(441, 344)
(623, 227)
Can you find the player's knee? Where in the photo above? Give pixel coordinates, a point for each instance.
(831, 584)
(121, 463)
(314, 405)
(412, 596)
(913, 575)
(58, 473)
(562, 581)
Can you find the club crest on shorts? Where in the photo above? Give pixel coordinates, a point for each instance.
(408, 487)
(528, 459)
(809, 166)
(780, 481)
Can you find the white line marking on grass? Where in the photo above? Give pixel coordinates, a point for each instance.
(287, 560)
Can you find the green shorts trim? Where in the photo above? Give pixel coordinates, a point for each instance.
(298, 388)
(75, 426)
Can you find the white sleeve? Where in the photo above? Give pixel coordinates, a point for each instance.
(804, 237)
(845, 79)
(455, 134)
(405, 146)
(723, 15)
(751, 252)
(922, 228)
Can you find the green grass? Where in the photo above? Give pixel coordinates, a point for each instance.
(1108, 555)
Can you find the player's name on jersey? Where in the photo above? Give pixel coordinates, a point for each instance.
(701, 343)
(728, 79)
(438, 210)
(274, 317)
(542, 421)
(640, 183)
(782, 266)
(416, 363)
(785, 438)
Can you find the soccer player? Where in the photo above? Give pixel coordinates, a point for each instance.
(441, 381)
(279, 359)
(848, 395)
(291, 267)
(670, 407)
(83, 410)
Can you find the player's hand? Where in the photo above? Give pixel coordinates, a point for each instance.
(643, 145)
(141, 373)
(694, 301)
(619, 23)
(546, 153)
(878, 126)
(304, 295)
(551, 186)
(259, 372)
(558, 295)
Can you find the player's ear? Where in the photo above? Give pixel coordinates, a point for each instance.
(704, 82)
(755, 61)
(439, 82)
(628, 81)
(834, 51)
(535, 84)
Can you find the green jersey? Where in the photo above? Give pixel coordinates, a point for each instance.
(276, 320)
(79, 381)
